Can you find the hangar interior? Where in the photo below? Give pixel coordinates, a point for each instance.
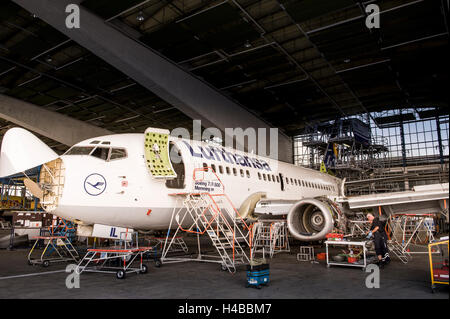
(367, 105)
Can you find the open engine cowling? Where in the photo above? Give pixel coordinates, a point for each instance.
(310, 219)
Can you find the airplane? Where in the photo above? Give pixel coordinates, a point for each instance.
(124, 181)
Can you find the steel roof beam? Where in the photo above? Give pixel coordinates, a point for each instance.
(192, 96)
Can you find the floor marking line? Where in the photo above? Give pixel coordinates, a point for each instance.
(34, 274)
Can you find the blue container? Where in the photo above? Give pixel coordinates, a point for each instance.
(258, 276)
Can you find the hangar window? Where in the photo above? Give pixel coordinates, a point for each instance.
(228, 170)
(79, 150)
(220, 169)
(117, 153)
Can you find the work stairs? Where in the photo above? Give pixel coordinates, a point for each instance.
(63, 247)
(212, 215)
(269, 237)
(409, 231)
(398, 251)
(210, 212)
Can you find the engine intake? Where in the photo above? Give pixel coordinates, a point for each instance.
(310, 219)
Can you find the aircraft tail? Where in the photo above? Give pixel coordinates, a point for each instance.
(21, 150)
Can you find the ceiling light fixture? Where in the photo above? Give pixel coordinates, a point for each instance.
(247, 44)
(140, 17)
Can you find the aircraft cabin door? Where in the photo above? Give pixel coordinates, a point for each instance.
(281, 181)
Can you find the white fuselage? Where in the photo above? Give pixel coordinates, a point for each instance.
(122, 192)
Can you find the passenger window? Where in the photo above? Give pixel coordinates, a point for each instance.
(242, 172)
(268, 177)
(213, 167)
(248, 173)
(278, 179)
(228, 170)
(259, 175)
(264, 176)
(292, 182)
(205, 167)
(101, 153)
(234, 171)
(287, 180)
(273, 178)
(220, 169)
(117, 153)
(295, 182)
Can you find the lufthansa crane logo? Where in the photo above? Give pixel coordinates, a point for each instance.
(95, 184)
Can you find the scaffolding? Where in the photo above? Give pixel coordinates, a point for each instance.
(209, 213)
(386, 151)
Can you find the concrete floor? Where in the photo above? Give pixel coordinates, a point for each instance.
(289, 279)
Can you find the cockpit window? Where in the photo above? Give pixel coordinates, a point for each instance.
(101, 153)
(118, 153)
(95, 142)
(80, 150)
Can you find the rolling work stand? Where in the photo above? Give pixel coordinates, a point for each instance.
(59, 246)
(118, 259)
(114, 259)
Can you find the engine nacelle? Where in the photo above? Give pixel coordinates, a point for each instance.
(310, 219)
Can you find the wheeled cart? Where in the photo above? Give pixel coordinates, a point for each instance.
(116, 260)
(361, 244)
(57, 249)
(439, 267)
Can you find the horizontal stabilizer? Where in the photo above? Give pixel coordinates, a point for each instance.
(21, 150)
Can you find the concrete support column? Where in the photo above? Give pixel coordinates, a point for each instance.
(58, 127)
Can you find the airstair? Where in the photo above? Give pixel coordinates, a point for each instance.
(271, 236)
(208, 211)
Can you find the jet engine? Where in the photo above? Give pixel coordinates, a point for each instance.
(310, 219)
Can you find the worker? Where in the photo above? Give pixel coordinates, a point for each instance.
(380, 239)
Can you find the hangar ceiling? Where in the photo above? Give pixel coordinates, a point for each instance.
(293, 63)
